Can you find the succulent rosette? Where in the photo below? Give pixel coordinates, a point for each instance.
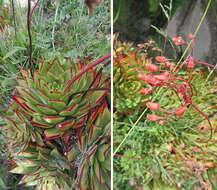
(128, 63)
(58, 126)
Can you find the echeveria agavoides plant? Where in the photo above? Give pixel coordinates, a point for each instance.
(165, 74)
(58, 126)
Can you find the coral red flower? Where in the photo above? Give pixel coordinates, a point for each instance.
(153, 117)
(161, 77)
(153, 106)
(161, 122)
(148, 78)
(181, 111)
(146, 91)
(178, 41)
(152, 67)
(161, 59)
(191, 36)
(166, 73)
(190, 63)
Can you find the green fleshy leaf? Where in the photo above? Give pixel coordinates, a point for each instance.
(53, 119)
(46, 109)
(53, 133)
(58, 105)
(69, 111)
(102, 152)
(65, 125)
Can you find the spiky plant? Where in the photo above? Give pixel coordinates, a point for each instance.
(58, 126)
(128, 61)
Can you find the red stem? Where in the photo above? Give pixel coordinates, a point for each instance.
(207, 118)
(215, 67)
(189, 84)
(30, 16)
(29, 33)
(133, 158)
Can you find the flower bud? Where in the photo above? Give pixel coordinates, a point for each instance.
(152, 67)
(161, 77)
(190, 63)
(178, 40)
(153, 106)
(146, 91)
(191, 36)
(161, 59)
(181, 111)
(153, 117)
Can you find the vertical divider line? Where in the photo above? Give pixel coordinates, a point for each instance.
(111, 22)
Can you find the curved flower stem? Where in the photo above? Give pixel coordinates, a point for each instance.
(207, 118)
(29, 32)
(33, 9)
(29, 17)
(203, 63)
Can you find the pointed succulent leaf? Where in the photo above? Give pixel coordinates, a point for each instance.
(83, 177)
(45, 109)
(71, 153)
(103, 152)
(53, 119)
(53, 133)
(69, 111)
(94, 133)
(91, 155)
(58, 105)
(97, 170)
(65, 125)
(42, 125)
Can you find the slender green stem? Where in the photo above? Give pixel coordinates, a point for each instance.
(15, 26)
(53, 30)
(134, 125)
(195, 33)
